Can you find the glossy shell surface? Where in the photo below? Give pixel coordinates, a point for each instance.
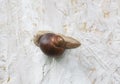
(51, 44)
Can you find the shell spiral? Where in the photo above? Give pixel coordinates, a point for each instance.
(52, 44)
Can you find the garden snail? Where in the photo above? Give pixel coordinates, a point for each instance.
(54, 44)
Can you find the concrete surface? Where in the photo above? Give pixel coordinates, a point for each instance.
(95, 23)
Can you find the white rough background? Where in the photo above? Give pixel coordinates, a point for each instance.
(95, 23)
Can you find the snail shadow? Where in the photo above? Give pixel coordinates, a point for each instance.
(58, 59)
(62, 57)
(48, 59)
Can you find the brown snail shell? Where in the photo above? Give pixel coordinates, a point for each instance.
(54, 44)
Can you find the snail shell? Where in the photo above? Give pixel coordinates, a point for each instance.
(54, 44)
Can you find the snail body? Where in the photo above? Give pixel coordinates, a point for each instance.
(54, 45)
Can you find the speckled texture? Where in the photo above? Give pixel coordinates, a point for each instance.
(95, 23)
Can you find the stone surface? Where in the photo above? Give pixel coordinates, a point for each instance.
(95, 23)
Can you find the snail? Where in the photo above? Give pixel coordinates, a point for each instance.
(53, 44)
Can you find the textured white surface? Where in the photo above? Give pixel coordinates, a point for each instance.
(95, 23)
